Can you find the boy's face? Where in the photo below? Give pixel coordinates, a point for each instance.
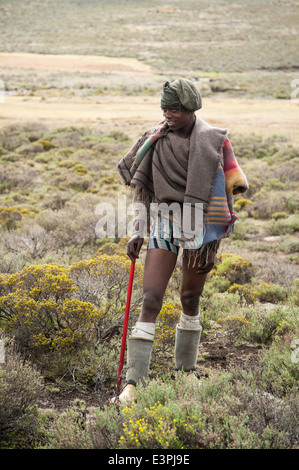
(177, 119)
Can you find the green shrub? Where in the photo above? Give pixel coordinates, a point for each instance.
(247, 292)
(20, 387)
(279, 215)
(290, 244)
(103, 281)
(280, 368)
(263, 292)
(268, 323)
(266, 203)
(244, 229)
(54, 312)
(106, 427)
(275, 183)
(273, 293)
(227, 411)
(233, 325)
(80, 169)
(160, 418)
(214, 305)
(68, 430)
(47, 145)
(168, 426)
(283, 226)
(67, 164)
(295, 292)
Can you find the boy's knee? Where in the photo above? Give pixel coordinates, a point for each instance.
(151, 306)
(190, 302)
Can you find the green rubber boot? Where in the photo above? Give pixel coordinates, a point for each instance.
(139, 351)
(186, 348)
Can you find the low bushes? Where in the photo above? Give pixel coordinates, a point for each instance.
(231, 269)
(9, 216)
(63, 294)
(263, 292)
(56, 313)
(20, 387)
(69, 319)
(285, 225)
(227, 411)
(37, 305)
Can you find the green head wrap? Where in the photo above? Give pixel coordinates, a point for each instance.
(181, 93)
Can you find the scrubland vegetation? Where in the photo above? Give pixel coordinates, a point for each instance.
(63, 290)
(62, 299)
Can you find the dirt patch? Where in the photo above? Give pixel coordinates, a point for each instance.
(68, 62)
(219, 352)
(67, 396)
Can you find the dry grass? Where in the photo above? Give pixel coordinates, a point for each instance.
(266, 117)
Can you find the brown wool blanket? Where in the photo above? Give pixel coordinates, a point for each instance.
(164, 174)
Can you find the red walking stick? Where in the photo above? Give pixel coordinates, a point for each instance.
(125, 329)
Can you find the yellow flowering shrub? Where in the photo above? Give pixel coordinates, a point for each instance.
(247, 292)
(234, 268)
(241, 204)
(103, 280)
(38, 307)
(273, 293)
(111, 248)
(9, 216)
(54, 311)
(262, 292)
(160, 427)
(165, 327)
(234, 324)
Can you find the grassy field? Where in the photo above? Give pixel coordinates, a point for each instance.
(82, 80)
(251, 47)
(229, 36)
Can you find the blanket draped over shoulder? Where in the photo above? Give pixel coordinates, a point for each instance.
(153, 171)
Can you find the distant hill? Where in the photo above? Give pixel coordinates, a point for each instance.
(211, 36)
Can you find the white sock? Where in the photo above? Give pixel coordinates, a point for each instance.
(188, 322)
(144, 330)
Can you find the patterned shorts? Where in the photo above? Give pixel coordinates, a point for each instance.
(163, 236)
(155, 242)
(157, 239)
